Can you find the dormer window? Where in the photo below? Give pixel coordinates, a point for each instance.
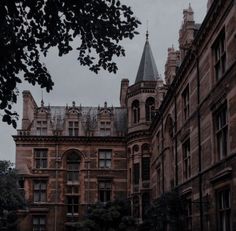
(105, 128)
(73, 128)
(41, 127)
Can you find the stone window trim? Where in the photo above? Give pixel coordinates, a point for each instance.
(186, 152)
(136, 173)
(105, 186)
(150, 109)
(40, 158)
(41, 127)
(223, 208)
(135, 111)
(185, 103)
(72, 203)
(145, 168)
(73, 167)
(40, 191)
(220, 125)
(105, 158)
(39, 222)
(187, 197)
(219, 55)
(73, 127)
(105, 128)
(72, 190)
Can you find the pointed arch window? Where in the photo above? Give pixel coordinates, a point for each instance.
(135, 111)
(150, 108)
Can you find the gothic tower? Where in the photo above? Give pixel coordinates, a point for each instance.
(142, 100)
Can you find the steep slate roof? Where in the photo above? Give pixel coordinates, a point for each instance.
(147, 68)
(58, 114)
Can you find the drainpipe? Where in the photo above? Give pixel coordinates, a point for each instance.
(176, 154)
(199, 143)
(56, 193)
(88, 202)
(162, 158)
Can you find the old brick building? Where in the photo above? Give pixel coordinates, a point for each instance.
(174, 134)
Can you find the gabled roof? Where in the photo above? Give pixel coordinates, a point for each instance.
(147, 68)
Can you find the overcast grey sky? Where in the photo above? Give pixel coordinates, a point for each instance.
(76, 83)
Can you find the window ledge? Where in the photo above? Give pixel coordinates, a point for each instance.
(221, 175)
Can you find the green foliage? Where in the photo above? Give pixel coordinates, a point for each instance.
(168, 210)
(112, 216)
(10, 197)
(29, 28)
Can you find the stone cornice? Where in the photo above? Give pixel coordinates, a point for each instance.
(138, 134)
(80, 139)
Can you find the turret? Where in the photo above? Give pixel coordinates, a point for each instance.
(186, 33)
(172, 63)
(142, 96)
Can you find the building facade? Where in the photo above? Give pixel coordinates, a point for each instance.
(172, 134)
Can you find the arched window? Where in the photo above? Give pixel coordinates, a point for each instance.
(150, 108)
(73, 163)
(135, 111)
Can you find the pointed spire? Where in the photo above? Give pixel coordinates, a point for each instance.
(147, 68)
(42, 102)
(147, 35)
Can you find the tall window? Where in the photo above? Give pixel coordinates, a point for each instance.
(72, 189)
(224, 210)
(136, 207)
(73, 128)
(145, 168)
(136, 173)
(73, 163)
(39, 223)
(72, 205)
(158, 143)
(221, 131)
(219, 56)
(105, 157)
(41, 128)
(135, 111)
(105, 128)
(40, 191)
(150, 108)
(105, 189)
(188, 214)
(186, 159)
(185, 97)
(41, 158)
(158, 180)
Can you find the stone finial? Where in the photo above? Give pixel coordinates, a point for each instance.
(73, 103)
(105, 104)
(42, 103)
